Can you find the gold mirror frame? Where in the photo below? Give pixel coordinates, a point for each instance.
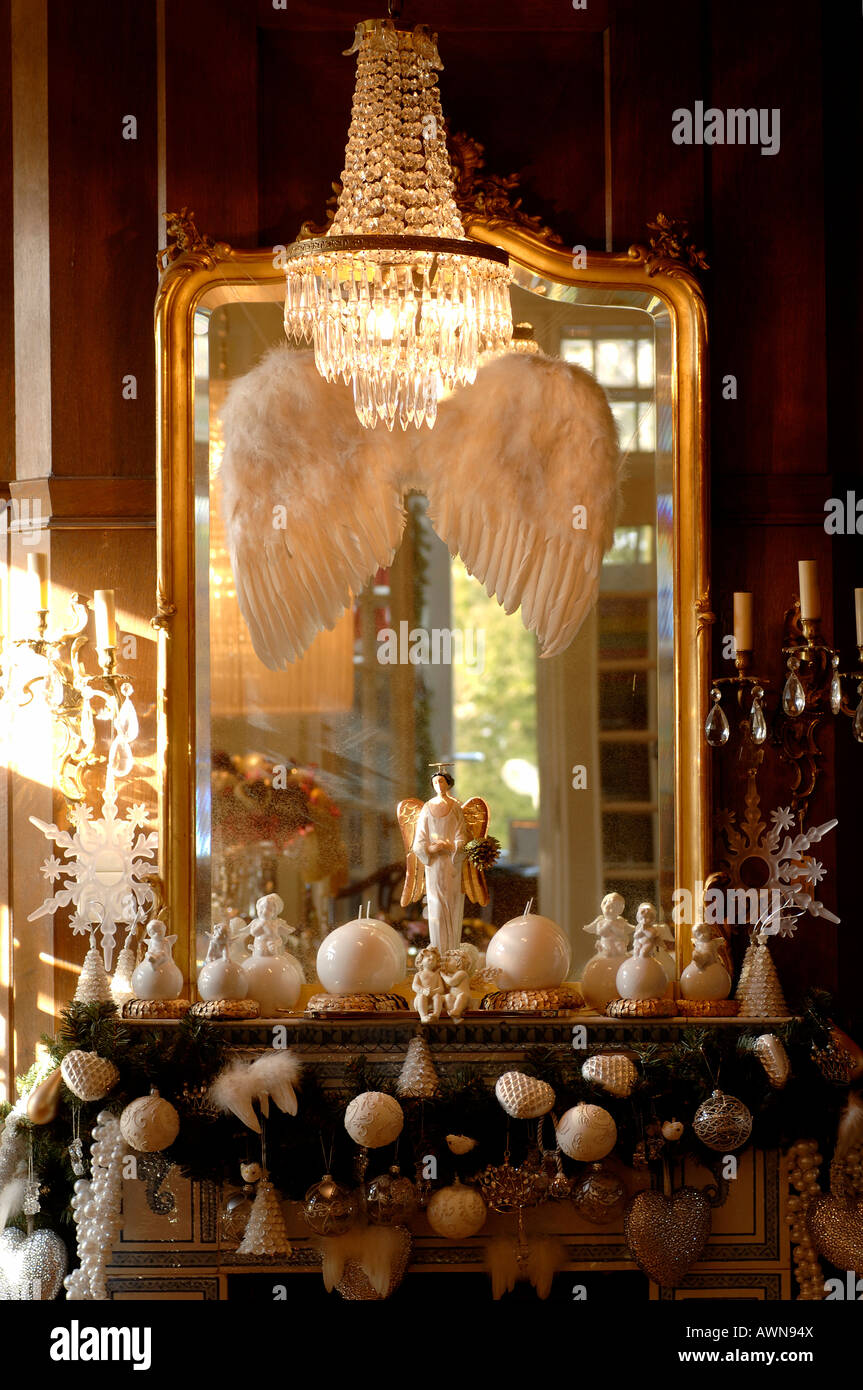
(199, 268)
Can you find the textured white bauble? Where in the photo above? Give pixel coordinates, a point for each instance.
(713, 982)
(163, 981)
(362, 957)
(220, 979)
(149, 1124)
(599, 981)
(641, 977)
(456, 1212)
(586, 1133)
(374, 1119)
(274, 981)
(531, 952)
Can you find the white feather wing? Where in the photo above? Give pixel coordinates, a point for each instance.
(508, 461)
(312, 502)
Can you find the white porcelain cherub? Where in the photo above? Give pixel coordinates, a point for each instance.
(610, 928)
(267, 930)
(456, 978)
(158, 977)
(219, 943)
(649, 933)
(708, 975)
(428, 986)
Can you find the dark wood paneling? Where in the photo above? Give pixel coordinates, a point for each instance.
(442, 16)
(103, 230)
(212, 115)
(7, 303)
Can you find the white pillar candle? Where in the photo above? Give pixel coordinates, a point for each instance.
(743, 622)
(858, 610)
(106, 625)
(37, 569)
(810, 593)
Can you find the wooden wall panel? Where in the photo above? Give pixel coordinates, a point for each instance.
(7, 263)
(103, 230)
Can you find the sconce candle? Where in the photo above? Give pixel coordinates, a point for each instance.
(743, 622)
(858, 610)
(810, 592)
(37, 569)
(106, 623)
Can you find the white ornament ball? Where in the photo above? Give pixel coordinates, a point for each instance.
(220, 979)
(456, 1212)
(362, 957)
(599, 981)
(531, 952)
(672, 1130)
(641, 977)
(713, 982)
(274, 981)
(587, 1133)
(374, 1119)
(149, 1124)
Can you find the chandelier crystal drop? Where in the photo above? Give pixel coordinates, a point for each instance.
(398, 302)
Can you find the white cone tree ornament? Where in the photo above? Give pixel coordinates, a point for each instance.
(94, 986)
(418, 1079)
(759, 992)
(265, 1233)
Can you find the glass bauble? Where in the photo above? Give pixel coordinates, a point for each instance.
(329, 1208)
(600, 1197)
(391, 1198)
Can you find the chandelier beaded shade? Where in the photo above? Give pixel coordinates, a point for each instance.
(398, 301)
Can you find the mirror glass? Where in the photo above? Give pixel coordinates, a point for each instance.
(299, 772)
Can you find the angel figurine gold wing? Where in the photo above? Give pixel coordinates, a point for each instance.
(473, 882)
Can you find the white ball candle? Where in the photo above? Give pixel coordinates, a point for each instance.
(530, 952)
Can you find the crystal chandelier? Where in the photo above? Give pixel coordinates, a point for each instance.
(398, 301)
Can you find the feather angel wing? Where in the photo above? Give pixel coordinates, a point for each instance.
(523, 479)
(407, 813)
(311, 500)
(473, 882)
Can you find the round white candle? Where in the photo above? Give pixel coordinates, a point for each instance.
(106, 624)
(810, 593)
(37, 569)
(858, 610)
(743, 622)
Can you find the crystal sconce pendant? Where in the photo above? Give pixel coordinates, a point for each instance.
(716, 729)
(793, 695)
(757, 722)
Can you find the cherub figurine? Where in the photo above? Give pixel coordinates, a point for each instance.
(428, 985)
(610, 928)
(267, 930)
(456, 977)
(158, 977)
(642, 975)
(435, 834)
(661, 933)
(708, 975)
(219, 976)
(219, 943)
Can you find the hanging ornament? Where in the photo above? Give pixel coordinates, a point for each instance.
(835, 1060)
(149, 1124)
(418, 1079)
(773, 1058)
(722, 1122)
(613, 1071)
(757, 722)
(368, 1263)
(44, 1099)
(97, 1211)
(265, 1233)
(374, 1119)
(857, 724)
(804, 1161)
(456, 1212)
(759, 992)
(523, 1097)
(666, 1234)
(32, 1265)
(672, 1130)
(600, 1197)
(329, 1208)
(837, 1232)
(460, 1144)
(716, 728)
(793, 694)
(390, 1198)
(88, 1076)
(94, 986)
(835, 688)
(586, 1133)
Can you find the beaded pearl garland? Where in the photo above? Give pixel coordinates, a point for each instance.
(804, 1161)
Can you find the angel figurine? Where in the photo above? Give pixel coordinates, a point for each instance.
(610, 928)
(708, 975)
(641, 975)
(158, 976)
(435, 834)
(428, 985)
(646, 920)
(456, 978)
(219, 976)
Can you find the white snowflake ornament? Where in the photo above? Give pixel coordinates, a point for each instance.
(104, 869)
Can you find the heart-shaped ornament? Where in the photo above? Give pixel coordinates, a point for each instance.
(31, 1267)
(666, 1235)
(837, 1231)
(88, 1076)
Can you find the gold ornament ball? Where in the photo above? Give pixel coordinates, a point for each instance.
(722, 1122)
(374, 1119)
(586, 1133)
(149, 1124)
(329, 1208)
(456, 1212)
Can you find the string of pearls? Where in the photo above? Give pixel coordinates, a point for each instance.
(96, 1205)
(804, 1161)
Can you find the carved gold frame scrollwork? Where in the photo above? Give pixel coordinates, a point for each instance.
(203, 267)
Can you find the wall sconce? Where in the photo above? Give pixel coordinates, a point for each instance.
(48, 667)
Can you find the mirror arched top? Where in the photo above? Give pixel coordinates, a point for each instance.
(204, 286)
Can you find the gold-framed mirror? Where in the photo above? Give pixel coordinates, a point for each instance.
(624, 702)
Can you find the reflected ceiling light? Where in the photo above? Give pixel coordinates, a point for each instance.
(398, 301)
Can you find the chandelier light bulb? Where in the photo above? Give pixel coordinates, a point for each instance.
(397, 301)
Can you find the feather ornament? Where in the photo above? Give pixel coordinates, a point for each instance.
(313, 502)
(850, 1132)
(376, 1249)
(271, 1076)
(501, 1261)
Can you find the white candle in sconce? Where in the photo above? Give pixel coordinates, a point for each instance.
(858, 612)
(810, 592)
(106, 622)
(37, 570)
(742, 622)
